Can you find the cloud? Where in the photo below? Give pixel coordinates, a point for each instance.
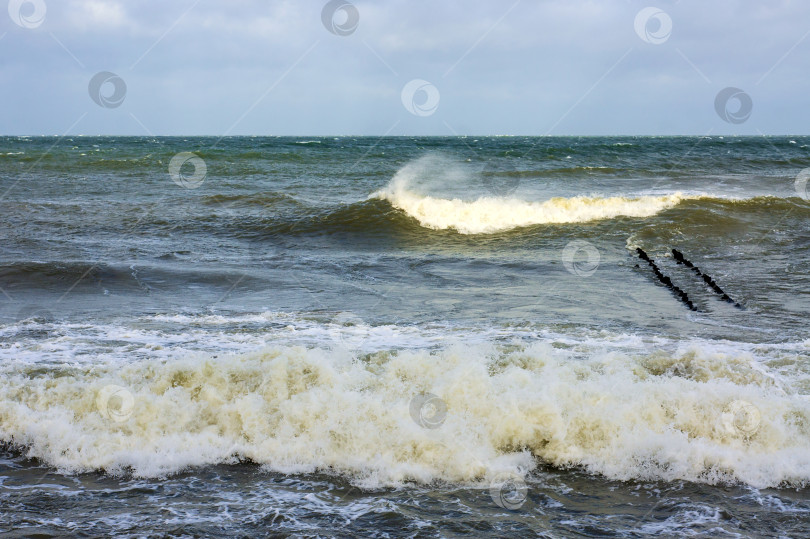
(86, 15)
(271, 67)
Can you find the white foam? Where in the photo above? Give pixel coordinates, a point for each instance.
(489, 214)
(295, 409)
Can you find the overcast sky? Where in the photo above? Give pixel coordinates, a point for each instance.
(267, 67)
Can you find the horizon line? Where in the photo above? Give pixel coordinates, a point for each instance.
(703, 135)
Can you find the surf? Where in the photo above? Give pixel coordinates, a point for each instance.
(492, 214)
(703, 413)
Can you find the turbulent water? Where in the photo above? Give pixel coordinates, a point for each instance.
(404, 336)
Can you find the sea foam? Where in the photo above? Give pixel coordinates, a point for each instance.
(490, 214)
(699, 416)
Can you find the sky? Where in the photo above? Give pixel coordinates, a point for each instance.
(397, 67)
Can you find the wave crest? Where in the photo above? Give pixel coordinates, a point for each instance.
(495, 214)
(707, 417)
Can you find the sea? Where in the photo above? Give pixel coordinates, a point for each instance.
(405, 336)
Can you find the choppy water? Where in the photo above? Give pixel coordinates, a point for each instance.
(428, 337)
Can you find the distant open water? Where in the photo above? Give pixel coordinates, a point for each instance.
(404, 336)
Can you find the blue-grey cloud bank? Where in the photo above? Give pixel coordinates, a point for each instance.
(251, 67)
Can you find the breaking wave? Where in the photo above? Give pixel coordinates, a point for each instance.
(489, 214)
(700, 415)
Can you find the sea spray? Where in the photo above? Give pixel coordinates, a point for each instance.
(295, 410)
(490, 214)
